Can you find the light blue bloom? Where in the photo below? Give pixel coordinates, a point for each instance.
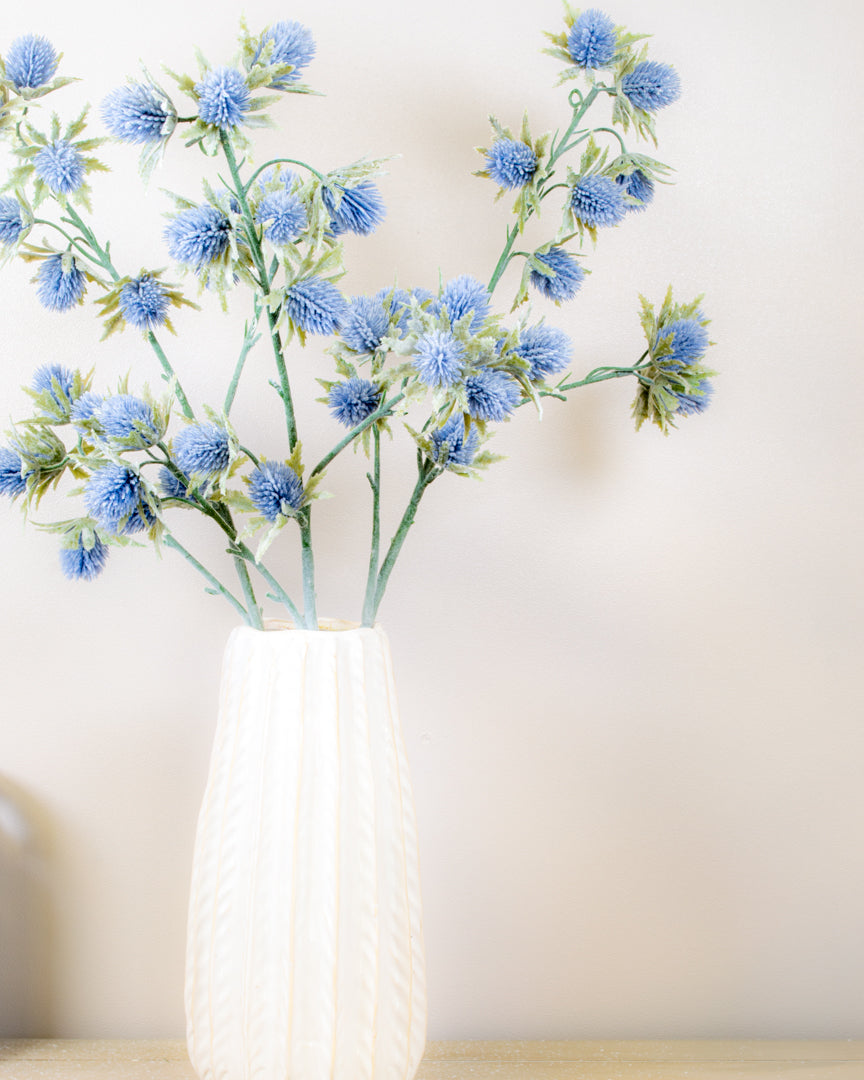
(55, 380)
(566, 276)
(202, 450)
(275, 489)
(316, 306)
(639, 186)
(439, 358)
(592, 41)
(223, 98)
(398, 301)
(172, 488)
(361, 209)
(58, 289)
(198, 236)
(691, 404)
(688, 341)
(127, 417)
(652, 86)
(83, 564)
(353, 400)
(283, 217)
(144, 302)
(546, 348)
(30, 62)
(365, 323)
(12, 476)
(85, 408)
(135, 114)
(60, 166)
(450, 446)
(492, 395)
(111, 494)
(139, 520)
(11, 222)
(597, 202)
(292, 44)
(462, 295)
(511, 163)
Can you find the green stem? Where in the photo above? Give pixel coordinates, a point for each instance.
(249, 339)
(310, 612)
(280, 161)
(372, 577)
(612, 131)
(171, 375)
(279, 593)
(217, 585)
(383, 410)
(251, 603)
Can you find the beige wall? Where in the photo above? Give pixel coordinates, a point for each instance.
(628, 666)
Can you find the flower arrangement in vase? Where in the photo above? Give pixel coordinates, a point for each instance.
(442, 364)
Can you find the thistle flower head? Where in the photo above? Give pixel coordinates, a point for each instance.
(353, 400)
(275, 489)
(438, 358)
(315, 306)
(492, 395)
(638, 186)
(462, 295)
(12, 473)
(361, 209)
(59, 289)
(592, 41)
(198, 236)
(651, 86)
(687, 340)
(111, 494)
(398, 302)
(202, 450)
(128, 418)
(80, 563)
(85, 409)
(292, 44)
(60, 166)
(692, 404)
(56, 381)
(223, 98)
(283, 217)
(135, 114)
(11, 222)
(30, 62)
(139, 520)
(172, 487)
(546, 348)
(144, 302)
(565, 275)
(597, 201)
(365, 323)
(451, 447)
(511, 163)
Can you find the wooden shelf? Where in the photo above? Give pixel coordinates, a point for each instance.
(702, 1059)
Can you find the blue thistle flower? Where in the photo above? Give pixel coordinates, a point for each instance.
(59, 289)
(546, 348)
(135, 114)
(125, 416)
(438, 358)
(60, 166)
(198, 236)
(464, 294)
(592, 41)
(80, 563)
(316, 306)
(111, 494)
(492, 395)
(144, 302)
(172, 488)
(566, 276)
(692, 404)
(83, 409)
(45, 377)
(361, 209)
(449, 444)
(11, 222)
(139, 520)
(399, 303)
(275, 489)
(365, 323)
(292, 44)
(638, 186)
(688, 341)
(511, 163)
(223, 98)
(30, 62)
(12, 476)
(597, 202)
(353, 400)
(283, 217)
(652, 86)
(202, 450)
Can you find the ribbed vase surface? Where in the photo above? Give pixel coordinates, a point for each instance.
(305, 941)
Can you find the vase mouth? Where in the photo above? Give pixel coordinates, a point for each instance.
(327, 625)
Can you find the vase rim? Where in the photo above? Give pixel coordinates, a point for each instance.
(324, 625)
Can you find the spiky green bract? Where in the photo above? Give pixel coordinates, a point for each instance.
(516, 163)
(141, 302)
(30, 62)
(83, 558)
(58, 163)
(674, 382)
(13, 480)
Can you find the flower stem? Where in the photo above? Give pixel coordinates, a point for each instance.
(372, 577)
(280, 161)
(279, 593)
(383, 410)
(249, 339)
(251, 603)
(310, 613)
(217, 585)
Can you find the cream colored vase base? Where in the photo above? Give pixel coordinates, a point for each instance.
(305, 942)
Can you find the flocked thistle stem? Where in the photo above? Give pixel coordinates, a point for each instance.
(375, 483)
(249, 340)
(216, 585)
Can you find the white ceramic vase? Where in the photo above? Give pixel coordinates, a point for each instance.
(305, 942)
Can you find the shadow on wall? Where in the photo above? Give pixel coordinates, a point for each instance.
(25, 915)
